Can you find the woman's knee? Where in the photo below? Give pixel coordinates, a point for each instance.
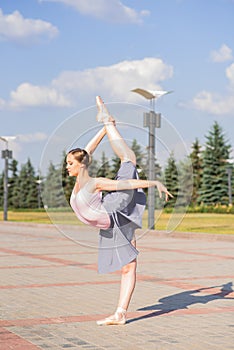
(129, 268)
(132, 157)
(128, 156)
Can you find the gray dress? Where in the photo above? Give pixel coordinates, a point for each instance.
(125, 209)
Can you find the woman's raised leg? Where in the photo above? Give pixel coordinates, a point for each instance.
(117, 142)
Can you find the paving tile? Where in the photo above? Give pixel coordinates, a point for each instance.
(51, 294)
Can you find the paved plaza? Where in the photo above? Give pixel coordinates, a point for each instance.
(51, 294)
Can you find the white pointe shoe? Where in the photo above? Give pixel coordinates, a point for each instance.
(119, 318)
(103, 115)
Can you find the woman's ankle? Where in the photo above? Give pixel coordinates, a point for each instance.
(120, 310)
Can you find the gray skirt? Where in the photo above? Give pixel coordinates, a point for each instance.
(125, 209)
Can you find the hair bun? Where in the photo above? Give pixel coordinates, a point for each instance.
(81, 155)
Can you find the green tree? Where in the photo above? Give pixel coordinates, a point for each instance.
(53, 192)
(185, 183)
(196, 159)
(25, 192)
(104, 170)
(68, 182)
(115, 166)
(171, 179)
(214, 184)
(13, 167)
(93, 168)
(141, 161)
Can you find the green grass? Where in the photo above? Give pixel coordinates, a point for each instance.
(190, 222)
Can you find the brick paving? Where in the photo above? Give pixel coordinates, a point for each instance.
(51, 294)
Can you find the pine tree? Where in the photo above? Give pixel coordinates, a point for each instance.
(230, 172)
(141, 160)
(196, 160)
(25, 192)
(185, 183)
(12, 181)
(115, 166)
(171, 179)
(53, 193)
(93, 168)
(214, 185)
(67, 181)
(104, 170)
(232, 183)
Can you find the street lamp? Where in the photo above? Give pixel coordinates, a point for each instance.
(6, 154)
(39, 192)
(152, 120)
(229, 173)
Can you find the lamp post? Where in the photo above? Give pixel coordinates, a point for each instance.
(229, 172)
(152, 120)
(39, 192)
(229, 169)
(6, 154)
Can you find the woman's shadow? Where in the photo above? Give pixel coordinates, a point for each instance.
(183, 300)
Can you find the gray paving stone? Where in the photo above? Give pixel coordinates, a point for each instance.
(51, 294)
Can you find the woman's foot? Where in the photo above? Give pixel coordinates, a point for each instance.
(119, 318)
(103, 115)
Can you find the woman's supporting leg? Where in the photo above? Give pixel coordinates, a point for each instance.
(128, 282)
(127, 286)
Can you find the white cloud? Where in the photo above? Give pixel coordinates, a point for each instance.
(2, 103)
(14, 27)
(113, 82)
(28, 138)
(230, 74)
(17, 145)
(223, 54)
(28, 95)
(215, 103)
(117, 80)
(111, 11)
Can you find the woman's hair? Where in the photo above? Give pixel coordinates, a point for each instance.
(81, 155)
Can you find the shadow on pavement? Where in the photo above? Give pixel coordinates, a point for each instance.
(183, 300)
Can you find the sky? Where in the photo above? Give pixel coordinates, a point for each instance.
(57, 55)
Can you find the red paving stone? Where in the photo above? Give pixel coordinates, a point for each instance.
(131, 315)
(9, 341)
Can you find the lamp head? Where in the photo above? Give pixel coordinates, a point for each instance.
(151, 94)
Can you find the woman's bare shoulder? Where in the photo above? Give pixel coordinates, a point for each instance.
(91, 185)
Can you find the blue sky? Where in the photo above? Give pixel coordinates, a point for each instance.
(57, 55)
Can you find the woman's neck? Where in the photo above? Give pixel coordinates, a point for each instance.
(83, 177)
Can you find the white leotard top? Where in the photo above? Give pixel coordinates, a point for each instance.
(89, 209)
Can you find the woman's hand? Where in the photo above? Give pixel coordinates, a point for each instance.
(161, 188)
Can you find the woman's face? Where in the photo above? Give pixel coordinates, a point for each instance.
(73, 166)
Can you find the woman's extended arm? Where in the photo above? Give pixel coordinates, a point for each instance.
(92, 145)
(104, 184)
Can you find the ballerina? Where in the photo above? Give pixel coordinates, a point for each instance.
(118, 214)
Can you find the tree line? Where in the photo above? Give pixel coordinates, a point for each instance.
(201, 179)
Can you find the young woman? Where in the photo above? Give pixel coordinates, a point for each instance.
(118, 214)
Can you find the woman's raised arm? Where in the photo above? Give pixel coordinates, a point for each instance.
(92, 145)
(104, 184)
